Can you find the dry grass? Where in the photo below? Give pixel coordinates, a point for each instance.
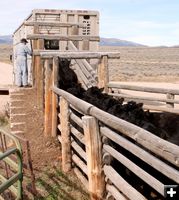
(5, 116)
(5, 51)
(144, 64)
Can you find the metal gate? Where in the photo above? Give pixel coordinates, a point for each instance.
(10, 167)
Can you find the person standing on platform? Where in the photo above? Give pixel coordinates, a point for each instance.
(21, 52)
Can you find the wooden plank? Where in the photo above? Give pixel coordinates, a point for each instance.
(103, 76)
(58, 11)
(76, 119)
(63, 37)
(81, 177)
(53, 24)
(82, 76)
(115, 193)
(148, 158)
(143, 88)
(147, 178)
(80, 163)
(94, 157)
(79, 150)
(78, 135)
(65, 135)
(85, 62)
(160, 147)
(144, 98)
(122, 185)
(63, 31)
(48, 100)
(75, 55)
(159, 108)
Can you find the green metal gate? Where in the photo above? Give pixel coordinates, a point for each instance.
(10, 166)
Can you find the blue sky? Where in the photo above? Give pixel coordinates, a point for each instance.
(150, 22)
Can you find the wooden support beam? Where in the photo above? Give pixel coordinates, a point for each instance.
(54, 24)
(103, 76)
(94, 158)
(54, 97)
(63, 37)
(38, 70)
(75, 55)
(48, 99)
(65, 135)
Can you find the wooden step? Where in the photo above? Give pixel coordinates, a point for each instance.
(16, 110)
(16, 103)
(20, 126)
(17, 117)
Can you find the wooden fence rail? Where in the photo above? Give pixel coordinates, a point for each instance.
(169, 101)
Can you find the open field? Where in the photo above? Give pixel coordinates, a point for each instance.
(160, 64)
(5, 51)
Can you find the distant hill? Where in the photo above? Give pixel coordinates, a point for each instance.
(5, 39)
(118, 42)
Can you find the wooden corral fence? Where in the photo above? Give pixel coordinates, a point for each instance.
(86, 132)
(167, 103)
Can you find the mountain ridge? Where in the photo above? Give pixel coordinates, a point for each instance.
(118, 42)
(5, 39)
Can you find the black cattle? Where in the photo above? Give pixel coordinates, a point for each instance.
(161, 125)
(67, 77)
(132, 112)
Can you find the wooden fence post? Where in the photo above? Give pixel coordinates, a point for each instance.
(38, 70)
(48, 99)
(103, 75)
(65, 135)
(94, 157)
(54, 97)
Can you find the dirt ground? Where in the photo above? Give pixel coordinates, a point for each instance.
(5, 80)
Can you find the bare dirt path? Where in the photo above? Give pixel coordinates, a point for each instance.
(5, 80)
